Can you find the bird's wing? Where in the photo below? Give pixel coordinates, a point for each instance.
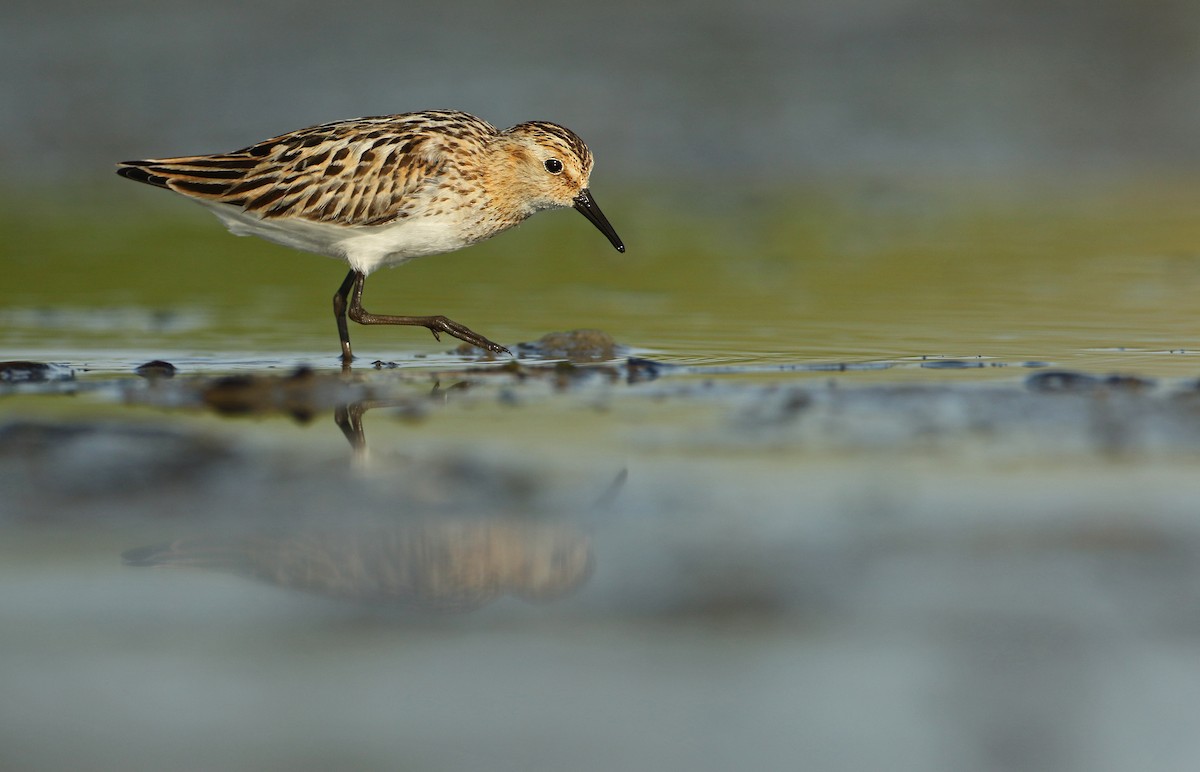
(363, 172)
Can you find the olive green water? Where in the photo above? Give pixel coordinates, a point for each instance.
(1101, 278)
(850, 516)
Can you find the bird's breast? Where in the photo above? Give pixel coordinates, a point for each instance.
(418, 235)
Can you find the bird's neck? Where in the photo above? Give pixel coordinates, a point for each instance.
(503, 174)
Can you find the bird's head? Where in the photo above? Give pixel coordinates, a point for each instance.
(548, 166)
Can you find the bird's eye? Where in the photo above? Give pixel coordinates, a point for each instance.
(553, 165)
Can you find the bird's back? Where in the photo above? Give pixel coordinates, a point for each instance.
(360, 172)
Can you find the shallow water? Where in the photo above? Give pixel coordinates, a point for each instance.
(780, 277)
(827, 500)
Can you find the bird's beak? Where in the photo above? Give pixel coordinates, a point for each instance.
(587, 207)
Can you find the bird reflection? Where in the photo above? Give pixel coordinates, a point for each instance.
(453, 564)
(431, 561)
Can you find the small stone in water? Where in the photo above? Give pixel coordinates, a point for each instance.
(156, 368)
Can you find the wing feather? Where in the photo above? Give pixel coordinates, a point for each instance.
(364, 172)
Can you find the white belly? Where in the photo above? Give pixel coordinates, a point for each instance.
(364, 248)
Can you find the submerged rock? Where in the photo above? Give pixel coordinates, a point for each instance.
(1071, 381)
(17, 371)
(156, 368)
(301, 394)
(574, 346)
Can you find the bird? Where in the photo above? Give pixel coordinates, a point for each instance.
(381, 190)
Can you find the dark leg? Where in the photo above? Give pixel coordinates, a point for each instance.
(435, 324)
(339, 313)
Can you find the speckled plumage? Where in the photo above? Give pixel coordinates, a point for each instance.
(382, 190)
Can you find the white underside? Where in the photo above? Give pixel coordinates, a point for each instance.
(363, 248)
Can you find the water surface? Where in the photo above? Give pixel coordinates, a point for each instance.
(1090, 279)
(876, 474)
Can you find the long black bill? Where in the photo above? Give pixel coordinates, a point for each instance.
(587, 207)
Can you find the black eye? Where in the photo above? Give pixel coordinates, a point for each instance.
(553, 165)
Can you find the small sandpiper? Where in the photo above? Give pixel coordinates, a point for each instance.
(382, 190)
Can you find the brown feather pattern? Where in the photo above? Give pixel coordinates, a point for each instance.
(356, 173)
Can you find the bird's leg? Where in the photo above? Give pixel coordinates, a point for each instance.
(339, 313)
(435, 324)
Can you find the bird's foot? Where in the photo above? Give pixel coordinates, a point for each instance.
(439, 324)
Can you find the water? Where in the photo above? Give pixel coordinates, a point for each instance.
(840, 517)
(821, 276)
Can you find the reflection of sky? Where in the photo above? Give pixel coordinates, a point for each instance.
(776, 86)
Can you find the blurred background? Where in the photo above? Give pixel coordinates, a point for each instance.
(712, 91)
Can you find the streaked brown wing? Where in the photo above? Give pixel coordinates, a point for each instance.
(362, 172)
